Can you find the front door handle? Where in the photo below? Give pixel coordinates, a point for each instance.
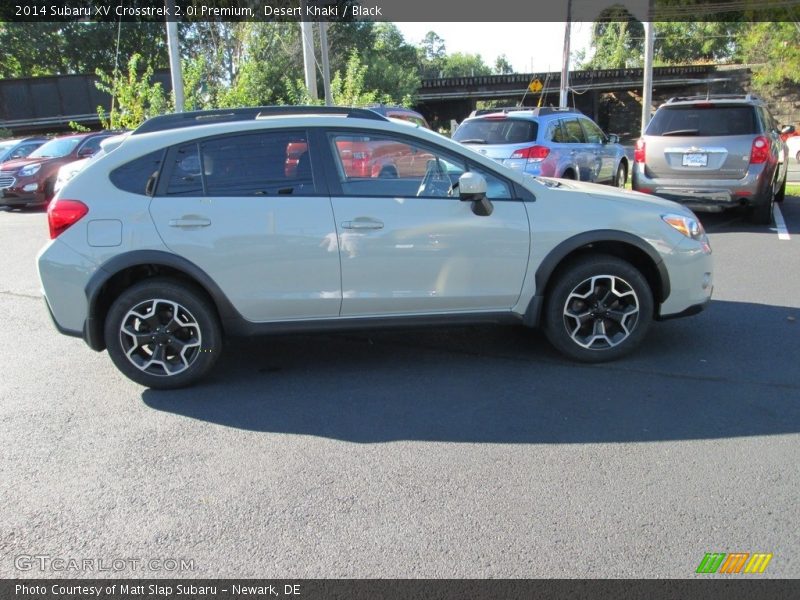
(363, 223)
(187, 221)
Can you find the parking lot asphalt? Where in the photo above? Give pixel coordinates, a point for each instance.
(468, 452)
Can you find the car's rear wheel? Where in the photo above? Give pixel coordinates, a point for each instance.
(621, 178)
(599, 309)
(761, 214)
(163, 334)
(781, 192)
(568, 174)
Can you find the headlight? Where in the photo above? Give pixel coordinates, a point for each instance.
(29, 170)
(688, 226)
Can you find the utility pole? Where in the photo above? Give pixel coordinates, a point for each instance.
(326, 67)
(563, 99)
(176, 73)
(647, 86)
(309, 60)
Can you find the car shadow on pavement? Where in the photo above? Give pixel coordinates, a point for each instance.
(728, 372)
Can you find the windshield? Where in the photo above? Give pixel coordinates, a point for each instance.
(6, 145)
(703, 120)
(56, 148)
(496, 131)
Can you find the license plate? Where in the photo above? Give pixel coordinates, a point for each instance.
(695, 160)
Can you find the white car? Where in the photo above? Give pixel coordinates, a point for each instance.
(69, 170)
(793, 147)
(285, 219)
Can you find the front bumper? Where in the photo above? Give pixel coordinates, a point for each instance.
(691, 273)
(18, 197)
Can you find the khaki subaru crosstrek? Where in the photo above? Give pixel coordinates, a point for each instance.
(712, 153)
(193, 229)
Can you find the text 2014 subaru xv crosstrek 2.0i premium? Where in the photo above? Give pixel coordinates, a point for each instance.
(202, 225)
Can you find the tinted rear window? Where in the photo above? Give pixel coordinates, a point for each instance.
(497, 131)
(704, 121)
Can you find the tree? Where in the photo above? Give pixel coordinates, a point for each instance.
(136, 98)
(502, 66)
(617, 40)
(431, 55)
(464, 65)
(391, 65)
(51, 48)
(774, 51)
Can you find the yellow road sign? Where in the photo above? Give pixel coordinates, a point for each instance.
(535, 86)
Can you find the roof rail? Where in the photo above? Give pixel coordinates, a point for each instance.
(536, 110)
(747, 97)
(229, 115)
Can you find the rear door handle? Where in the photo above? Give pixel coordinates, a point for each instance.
(363, 223)
(190, 222)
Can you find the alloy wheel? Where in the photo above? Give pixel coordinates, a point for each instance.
(601, 312)
(160, 337)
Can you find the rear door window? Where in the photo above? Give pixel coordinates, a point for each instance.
(573, 131)
(266, 163)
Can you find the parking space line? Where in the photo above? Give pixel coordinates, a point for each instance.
(780, 224)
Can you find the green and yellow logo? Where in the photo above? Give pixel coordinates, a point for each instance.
(735, 562)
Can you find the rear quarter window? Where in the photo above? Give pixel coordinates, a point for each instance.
(700, 120)
(133, 176)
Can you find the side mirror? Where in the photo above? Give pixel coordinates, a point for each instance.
(472, 188)
(85, 152)
(613, 138)
(788, 129)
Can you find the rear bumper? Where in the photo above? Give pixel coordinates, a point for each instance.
(709, 195)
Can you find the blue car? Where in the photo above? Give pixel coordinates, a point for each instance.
(19, 148)
(547, 142)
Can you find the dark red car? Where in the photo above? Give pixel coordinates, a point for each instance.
(29, 181)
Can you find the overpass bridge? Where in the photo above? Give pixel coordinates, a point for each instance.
(48, 104)
(455, 97)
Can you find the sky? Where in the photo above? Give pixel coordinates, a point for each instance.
(530, 47)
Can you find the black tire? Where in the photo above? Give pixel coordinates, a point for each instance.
(779, 197)
(188, 345)
(761, 214)
(584, 289)
(568, 174)
(621, 178)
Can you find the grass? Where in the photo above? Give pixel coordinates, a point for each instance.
(793, 189)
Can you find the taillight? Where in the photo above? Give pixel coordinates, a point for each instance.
(360, 164)
(62, 214)
(535, 153)
(638, 151)
(759, 152)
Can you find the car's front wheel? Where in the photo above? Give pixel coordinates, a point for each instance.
(163, 334)
(598, 309)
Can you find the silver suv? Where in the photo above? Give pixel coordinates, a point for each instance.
(272, 220)
(547, 142)
(712, 153)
